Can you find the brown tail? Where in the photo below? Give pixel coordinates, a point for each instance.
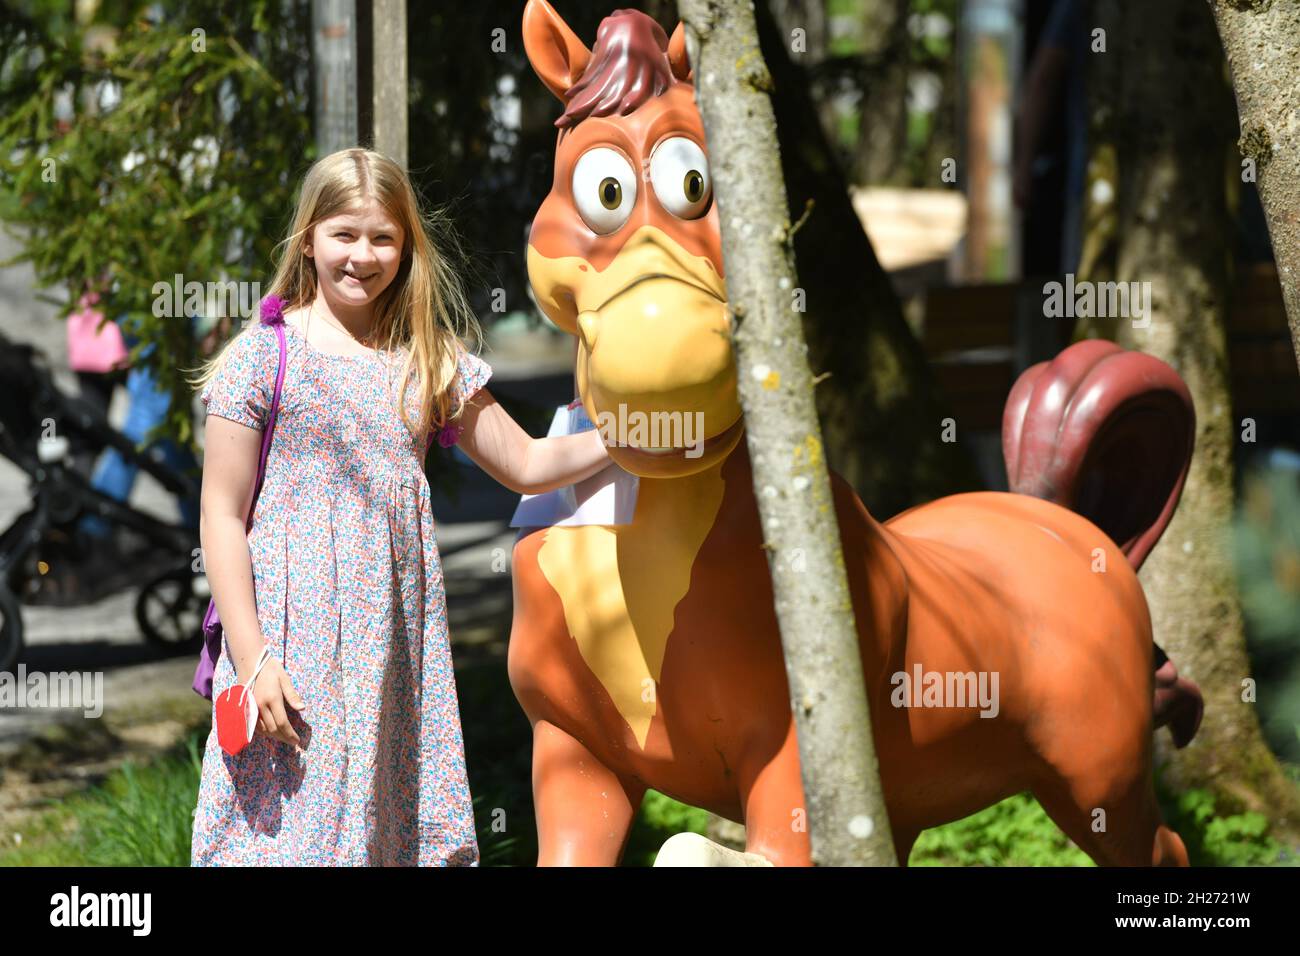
(1108, 433)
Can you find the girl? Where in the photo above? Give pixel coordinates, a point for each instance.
(358, 757)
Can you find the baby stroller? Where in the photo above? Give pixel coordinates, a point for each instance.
(45, 558)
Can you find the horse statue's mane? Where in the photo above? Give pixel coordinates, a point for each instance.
(629, 65)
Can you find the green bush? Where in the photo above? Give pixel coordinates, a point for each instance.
(141, 143)
(1235, 840)
(1015, 832)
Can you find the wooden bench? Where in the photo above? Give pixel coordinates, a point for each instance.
(979, 337)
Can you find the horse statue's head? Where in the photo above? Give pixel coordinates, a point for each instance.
(625, 252)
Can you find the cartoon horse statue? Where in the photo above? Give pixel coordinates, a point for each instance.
(647, 654)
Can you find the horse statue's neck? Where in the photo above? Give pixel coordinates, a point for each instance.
(645, 567)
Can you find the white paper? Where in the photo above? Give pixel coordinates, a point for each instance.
(607, 497)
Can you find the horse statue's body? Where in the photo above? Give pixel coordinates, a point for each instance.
(647, 655)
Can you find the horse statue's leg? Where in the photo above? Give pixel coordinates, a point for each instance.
(1134, 834)
(584, 810)
(776, 816)
(1104, 799)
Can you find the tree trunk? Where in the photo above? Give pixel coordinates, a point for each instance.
(841, 778)
(1262, 40)
(880, 411)
(808, 49)
(882, 126)
(1172, 138)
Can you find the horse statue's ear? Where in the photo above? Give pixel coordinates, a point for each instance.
(677, 54)
(557, 55)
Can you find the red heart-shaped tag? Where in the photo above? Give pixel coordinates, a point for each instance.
(235, 720)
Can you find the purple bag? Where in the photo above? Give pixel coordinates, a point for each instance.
(272, 313)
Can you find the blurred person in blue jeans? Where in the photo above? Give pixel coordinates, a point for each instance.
(114, 475)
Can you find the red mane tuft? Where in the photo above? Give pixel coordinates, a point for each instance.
(629, 65)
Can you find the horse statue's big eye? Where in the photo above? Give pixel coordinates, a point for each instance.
(611, 193)
(604, 189)
(693, 186)
(679, 173)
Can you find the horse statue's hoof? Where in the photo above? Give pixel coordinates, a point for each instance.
(691, 849)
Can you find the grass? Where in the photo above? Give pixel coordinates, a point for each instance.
(140, 815)
(1017, 832)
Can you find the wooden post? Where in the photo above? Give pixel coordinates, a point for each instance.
(388, 79)
(991, 51)
(334, 24)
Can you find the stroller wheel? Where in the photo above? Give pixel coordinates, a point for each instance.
(169, 609)
(11, 629)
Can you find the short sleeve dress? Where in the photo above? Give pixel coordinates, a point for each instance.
(350, 597)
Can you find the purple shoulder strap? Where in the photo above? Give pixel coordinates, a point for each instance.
(270, 422)
(272, 315)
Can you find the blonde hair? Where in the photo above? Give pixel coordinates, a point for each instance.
(424, 309)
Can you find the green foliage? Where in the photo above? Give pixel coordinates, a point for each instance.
(1266, 543)
(498, 849)
(934, 48)
(1015, 832)
(1237, 840)
(929, 49)
(142, 148)
(659, 818)
(143, 816)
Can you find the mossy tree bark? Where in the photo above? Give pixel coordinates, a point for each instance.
(845, 803)
(1171, 137)
(1262, 40)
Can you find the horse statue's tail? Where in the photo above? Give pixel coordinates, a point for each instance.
(1108, 433)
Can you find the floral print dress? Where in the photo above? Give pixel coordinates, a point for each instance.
(350, 598)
